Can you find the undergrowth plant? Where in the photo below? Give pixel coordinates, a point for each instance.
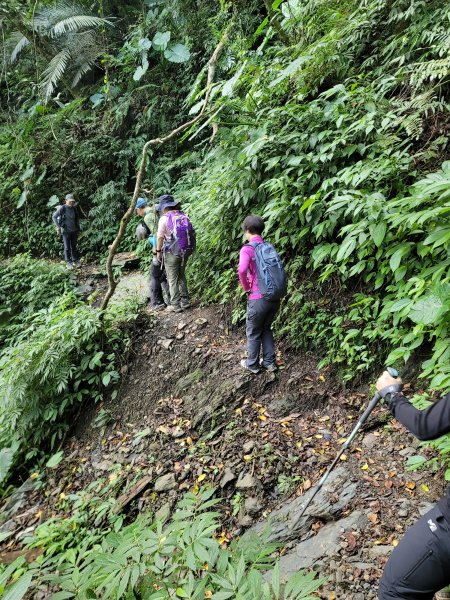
(152, 558)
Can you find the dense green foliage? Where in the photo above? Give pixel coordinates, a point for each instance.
(329, 119)
(57, 353)
(153, 558)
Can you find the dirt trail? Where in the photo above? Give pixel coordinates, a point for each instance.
(187, 415)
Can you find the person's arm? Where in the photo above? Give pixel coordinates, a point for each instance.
(55, 217)
(427, 424)
(244, 264)
(160, 236)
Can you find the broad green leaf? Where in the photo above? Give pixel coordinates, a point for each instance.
(20, 588)
(53, 201)
(429, 309)
(160, 40)
(22, 199)
(292, 68)
(378, 232)
(177, 53)
(27, 174)
(54, 460)
(6, 460)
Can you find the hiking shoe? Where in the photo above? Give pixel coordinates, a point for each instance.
(271, 368)
(159, 307)
(77, 264)
(253, 370)
(69, 266)
(185, 305)
(175, 309)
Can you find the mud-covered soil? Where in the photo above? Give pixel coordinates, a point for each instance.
(187, 415)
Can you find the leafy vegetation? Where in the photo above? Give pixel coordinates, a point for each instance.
(153, 558)
(330, 119)
(55, 357)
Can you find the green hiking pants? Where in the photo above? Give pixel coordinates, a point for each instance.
(176, 276)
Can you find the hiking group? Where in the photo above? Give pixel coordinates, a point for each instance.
(260, 271)
(418, 566)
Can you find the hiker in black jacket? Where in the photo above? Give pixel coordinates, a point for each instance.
(420, 565)
(67, 224)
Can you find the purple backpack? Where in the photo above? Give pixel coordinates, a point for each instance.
(183, 234)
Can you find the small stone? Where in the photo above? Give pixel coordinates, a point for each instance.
(165, 483)
(227, 476)
(252, 506)
(201, 322)
(103, 465)
(377, 551)
(248, 482)
(166, 343)
(407, 451)
(181, 325)
(402, 513)
(243, 519)
(370, 440)
(248, 446)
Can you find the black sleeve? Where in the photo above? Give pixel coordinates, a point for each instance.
(427, 424)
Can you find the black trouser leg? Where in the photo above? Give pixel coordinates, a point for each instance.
(73, 237)
(420, 565)
(66, 242)
(156, 295)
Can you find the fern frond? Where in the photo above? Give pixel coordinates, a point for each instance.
(21, 44)
(77, 22)
(82, 70)
(54, 72)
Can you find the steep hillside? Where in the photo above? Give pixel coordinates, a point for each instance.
(186, 416)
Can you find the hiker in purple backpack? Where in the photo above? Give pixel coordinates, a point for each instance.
(175, 243)
(262, 276)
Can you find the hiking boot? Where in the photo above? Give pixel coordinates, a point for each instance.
(69, 266)
(77, 264)
(271, 368)
(175, 309)
(158, 307)
(253, 370)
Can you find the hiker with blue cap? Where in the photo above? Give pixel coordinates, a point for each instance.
(175, 242)
(158, 279)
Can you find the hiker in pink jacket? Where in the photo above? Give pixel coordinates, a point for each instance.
(260, 311)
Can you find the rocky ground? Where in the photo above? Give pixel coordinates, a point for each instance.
(187, 415)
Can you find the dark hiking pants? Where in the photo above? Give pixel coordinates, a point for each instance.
(260, 316)
(158, 283)
(420, 565)
(70, 246)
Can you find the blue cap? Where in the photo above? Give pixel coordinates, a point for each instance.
(141, 203)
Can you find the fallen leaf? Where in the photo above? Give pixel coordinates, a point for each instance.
(411, 485)
(344, 457)
(425, 488)
(365, 467)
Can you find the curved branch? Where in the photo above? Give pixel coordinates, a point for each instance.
(112, 283)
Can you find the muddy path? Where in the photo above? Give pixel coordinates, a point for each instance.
(187, 415)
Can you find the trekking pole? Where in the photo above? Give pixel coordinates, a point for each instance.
(372, 404)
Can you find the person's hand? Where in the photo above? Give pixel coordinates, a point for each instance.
(386, 380)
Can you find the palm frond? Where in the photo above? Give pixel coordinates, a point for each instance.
(54, 72)
(77, 22)
(15, 44)
(82, 70)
